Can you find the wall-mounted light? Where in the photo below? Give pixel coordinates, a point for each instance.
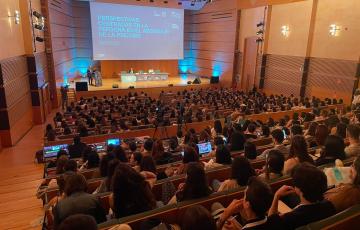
(334, 30)
(16, 17)
(285, 31)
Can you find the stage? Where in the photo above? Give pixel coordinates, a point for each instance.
(109, 82)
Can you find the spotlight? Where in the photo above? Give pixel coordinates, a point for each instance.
(39, 39)
(260, 32)
(37, 14)
(260, 24)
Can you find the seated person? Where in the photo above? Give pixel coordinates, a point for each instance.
(77, 201)
(77, 148)
(79, 221)
(146, 149)
(241, 171)
(353, 134)
(274, 166)
(346, 195)
(250, 150)
(333, 149)
(190, 155)
(131, 192)
(252, 208)
(278, 138)
(222, 157)
(310, 184)
(195, 186)
(250, 132)
(197, 217)
(298, 153)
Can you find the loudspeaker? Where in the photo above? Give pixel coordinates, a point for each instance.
(197, 81)
(132, 87)
(115, 86)
(81, 86)
(214, 80)
(189, 82)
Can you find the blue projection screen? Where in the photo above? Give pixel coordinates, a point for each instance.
(128, 32)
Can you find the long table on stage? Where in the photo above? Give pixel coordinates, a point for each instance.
(133, 77)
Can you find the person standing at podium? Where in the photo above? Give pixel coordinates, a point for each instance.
(89, 75)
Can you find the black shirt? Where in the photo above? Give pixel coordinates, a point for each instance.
(305, 214)
(75, 150)
(262, 224)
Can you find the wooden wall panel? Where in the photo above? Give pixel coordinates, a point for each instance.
(283, 74)
(16, 113)
(331, 78)
(210, 41)
(71, 37)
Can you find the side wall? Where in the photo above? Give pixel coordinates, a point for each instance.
(209, 45)
(71, 46)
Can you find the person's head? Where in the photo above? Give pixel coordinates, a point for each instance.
(148, 164)
(353, 132)
(173, 143)
(265, 130)
(218, 126)
(237, 141)
(158, 149)
(61, 153)
(278, 136)
(250, 150)
(355, 172)
(310, 182)
(77, 140)
(190, 155)
(241, 170)
(296, 130)
(219, 140)
(341, 130)
(70, 165)
(93, 160)
(196, 184)
(321, 134)
(132, 193)
(257, 199)
(334, 147)
(275, 162)
(223, 155)
(312, 129)
(251, 128)
(132, 146)
(75, 183)
(120, 154)
(299, 149)
(148, 144)
(78, 221)
(197, 217)
(60, 164)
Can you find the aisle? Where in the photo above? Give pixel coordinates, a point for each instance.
(19, 180)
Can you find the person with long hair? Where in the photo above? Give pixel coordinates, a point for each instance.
(190, 155)
(241, 171)
(334, 149)
(131, 192)
(298, 153)
(105, 185)
(148, 169)
(159, 154)
(222, 157)
(310, 132)
(195, 186)
(346, 195)
(217, 130)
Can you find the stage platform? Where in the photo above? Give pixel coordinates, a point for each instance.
(109, 82)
